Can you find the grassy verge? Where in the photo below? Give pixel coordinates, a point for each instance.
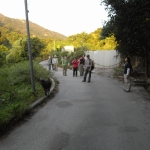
(117, 72)
(15, 91)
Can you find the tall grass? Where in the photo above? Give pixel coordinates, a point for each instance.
(15, 91)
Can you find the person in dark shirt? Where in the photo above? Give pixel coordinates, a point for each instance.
(88, 65)
(81, 65)
(127, 70)
(49, 62)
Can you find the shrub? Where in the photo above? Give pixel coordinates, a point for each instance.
(15, 90)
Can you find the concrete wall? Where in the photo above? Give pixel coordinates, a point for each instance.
(104, 58)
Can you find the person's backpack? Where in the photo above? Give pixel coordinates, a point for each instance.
(131, 71)
(93, 65)
(82, 61)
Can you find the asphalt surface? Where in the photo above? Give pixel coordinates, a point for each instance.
(86, 116)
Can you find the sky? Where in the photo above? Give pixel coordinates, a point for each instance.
(67, 17)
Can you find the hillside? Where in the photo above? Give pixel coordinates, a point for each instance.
(35, 30)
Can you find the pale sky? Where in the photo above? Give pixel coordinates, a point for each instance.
(67, 17)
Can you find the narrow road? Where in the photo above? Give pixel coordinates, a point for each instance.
(86, 116)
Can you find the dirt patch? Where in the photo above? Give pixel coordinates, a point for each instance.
(107, 72)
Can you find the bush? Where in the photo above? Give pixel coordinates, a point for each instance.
(118, 71)
(15, 91)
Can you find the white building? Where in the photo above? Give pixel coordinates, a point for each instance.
(68, 49)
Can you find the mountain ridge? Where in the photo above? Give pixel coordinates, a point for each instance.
(35, 29)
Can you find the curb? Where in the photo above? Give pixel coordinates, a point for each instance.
(37, 102)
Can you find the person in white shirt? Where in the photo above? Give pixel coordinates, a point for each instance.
(55, 63)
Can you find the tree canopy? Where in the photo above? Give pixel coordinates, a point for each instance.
(129, 23)
(19, 50)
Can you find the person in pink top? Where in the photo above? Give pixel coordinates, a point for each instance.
(75, 64)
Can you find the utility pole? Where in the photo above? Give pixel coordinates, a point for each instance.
(29, 48)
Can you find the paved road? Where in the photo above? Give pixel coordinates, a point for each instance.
(86, 116)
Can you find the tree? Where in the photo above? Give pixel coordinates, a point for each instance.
(129, 23)
(3, 53)
(19, 50)
(4, 41)
(17, 53)
(37, 46)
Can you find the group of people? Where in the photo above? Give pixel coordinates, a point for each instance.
(85, 67)
(77, 64)
(53, 63)
(81, 64)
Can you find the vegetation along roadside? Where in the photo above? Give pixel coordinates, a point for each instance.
(15, 91)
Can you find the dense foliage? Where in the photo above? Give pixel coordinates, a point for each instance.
(129, 23)
(19, 50)
(91, 41)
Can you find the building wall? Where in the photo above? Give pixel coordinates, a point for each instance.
(104, 58)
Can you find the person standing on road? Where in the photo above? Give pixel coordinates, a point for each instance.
(49, 62)
(52, 63)
(65, 65)
(88, 65)
(127, 70)
(81, 65)
(55, 62)
(75, 64)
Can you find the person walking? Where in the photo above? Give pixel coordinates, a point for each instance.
(52, 63)
(88, 65)
(49, 62)
(127, 71)
(81, 65)
(75, 64)
(65, 65)
(55, 63)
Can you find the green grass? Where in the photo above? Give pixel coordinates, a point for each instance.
(16, 93)
(117, 72)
